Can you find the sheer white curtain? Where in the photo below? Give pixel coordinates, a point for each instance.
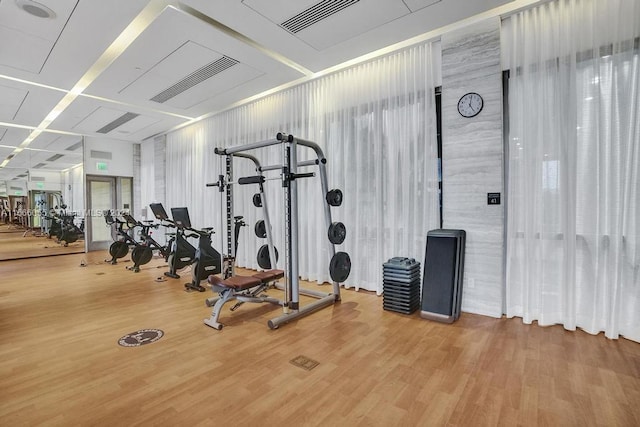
(573, 250)
(376, 125)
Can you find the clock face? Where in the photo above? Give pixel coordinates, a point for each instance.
(470, 105)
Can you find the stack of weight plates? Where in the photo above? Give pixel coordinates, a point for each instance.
(401, 285)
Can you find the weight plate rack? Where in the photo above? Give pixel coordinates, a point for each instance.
(401, 285)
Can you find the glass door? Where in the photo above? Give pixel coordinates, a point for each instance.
(101, 196)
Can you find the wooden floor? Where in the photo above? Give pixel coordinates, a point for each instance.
(61, 363)
(16, 244)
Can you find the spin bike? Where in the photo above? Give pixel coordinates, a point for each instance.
(206, 260)
(182, 253)
(143, 252)
(63, 227)
(122, 240)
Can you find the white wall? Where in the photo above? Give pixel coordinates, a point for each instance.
(73, 189)
(45, 180)
(16, 188)
(119, 156)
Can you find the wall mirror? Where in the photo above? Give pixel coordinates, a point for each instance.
(42, 197)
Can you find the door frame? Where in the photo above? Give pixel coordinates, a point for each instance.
(91, 215)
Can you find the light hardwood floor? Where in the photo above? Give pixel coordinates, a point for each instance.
(61, 363)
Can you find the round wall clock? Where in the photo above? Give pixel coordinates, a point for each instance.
(470, 104)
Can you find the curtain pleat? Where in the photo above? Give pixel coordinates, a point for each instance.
(573, 239)
(376, 125)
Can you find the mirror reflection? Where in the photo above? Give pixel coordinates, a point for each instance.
(42, 200)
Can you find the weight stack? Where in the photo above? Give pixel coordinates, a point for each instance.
(401, 285)
(443, 275)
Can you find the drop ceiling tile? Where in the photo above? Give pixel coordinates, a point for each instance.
(4, 152)
(357, 17)
(13, 136)
(21, 160)
(153, 129)
(175, 45)
(26, 40)
(415, 5)
(56, 142)
(226, 81)
(96, 119)
(87, 115)
(186, 59)
(10, 101)
(136, 125)
(279, 10)
(90, 29)
(66, 144)
(25, 104)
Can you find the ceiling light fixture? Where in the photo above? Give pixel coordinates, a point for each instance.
(36, 9)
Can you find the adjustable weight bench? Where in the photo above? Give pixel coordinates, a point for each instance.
(240, 288)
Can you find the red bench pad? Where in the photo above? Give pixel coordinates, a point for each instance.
(238, 283)
(269, 275)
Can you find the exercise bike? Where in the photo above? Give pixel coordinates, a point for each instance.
(181, 252)
(206, 260)
(63, 227)
(143, 252)
(122, 239)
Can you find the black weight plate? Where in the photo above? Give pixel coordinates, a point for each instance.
(337, 233)
(263, 257)
(340, 267)
(257, 200)
(260, 229)
(334, 197)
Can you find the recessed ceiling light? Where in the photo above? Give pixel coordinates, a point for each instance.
(36, 9)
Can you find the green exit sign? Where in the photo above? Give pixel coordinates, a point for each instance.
(40, 184)
(17, 193)
(101, 166)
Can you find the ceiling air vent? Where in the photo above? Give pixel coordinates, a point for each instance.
(194, 78)
(39, 165)
(38, 178)
(315, 13)
(74, 146)
(54, 157)
(126, 117)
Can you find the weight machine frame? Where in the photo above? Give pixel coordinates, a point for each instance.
(288, 176)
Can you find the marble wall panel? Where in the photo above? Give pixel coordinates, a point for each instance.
(472, 163)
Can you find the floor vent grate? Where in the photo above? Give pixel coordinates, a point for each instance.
(304, 362)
